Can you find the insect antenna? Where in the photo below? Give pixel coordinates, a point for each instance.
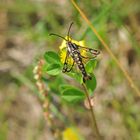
(69, 31)
(59, 36)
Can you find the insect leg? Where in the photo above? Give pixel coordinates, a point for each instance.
(70, 68)
(65, 67)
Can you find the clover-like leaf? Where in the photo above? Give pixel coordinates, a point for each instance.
(77, 76)
(90, 66)
(53, 69)
(52, 57)
(91, 84)
(71, 94)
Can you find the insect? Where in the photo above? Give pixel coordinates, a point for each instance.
(73, 51)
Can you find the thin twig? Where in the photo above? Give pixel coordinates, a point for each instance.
(96, 130)
(132, 84)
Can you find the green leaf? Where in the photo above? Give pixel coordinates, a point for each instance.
(64, 87)
(91, 84)
(72, 94)
(77, 76)
(52, 57)
(57, 82)
(90, 65)
(53, 69)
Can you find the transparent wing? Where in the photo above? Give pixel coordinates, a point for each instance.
(88, 53)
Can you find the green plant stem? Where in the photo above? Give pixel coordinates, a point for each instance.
(92, 113)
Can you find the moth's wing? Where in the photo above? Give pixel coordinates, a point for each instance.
(88, 52)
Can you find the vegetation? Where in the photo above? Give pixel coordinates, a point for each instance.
(40, 102)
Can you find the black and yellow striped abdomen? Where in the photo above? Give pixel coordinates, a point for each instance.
(77, 58)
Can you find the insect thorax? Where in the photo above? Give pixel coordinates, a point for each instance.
(71, 47)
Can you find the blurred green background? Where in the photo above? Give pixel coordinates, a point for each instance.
(24, 38)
